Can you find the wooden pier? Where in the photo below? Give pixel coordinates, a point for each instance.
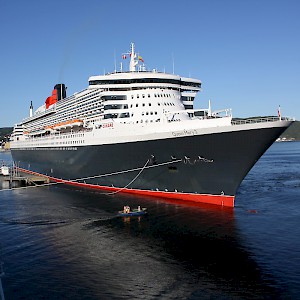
(17, 178)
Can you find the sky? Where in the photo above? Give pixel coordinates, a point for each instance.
(245, 52)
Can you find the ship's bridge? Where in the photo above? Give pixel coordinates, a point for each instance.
(144, 79)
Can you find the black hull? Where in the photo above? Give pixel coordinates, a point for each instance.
(229, 157)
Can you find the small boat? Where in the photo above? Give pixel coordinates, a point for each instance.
(127, 212)
(4, 170)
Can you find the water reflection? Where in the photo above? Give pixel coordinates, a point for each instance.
(176, 251)
(71, 243)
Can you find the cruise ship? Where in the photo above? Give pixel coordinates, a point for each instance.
(137, 132)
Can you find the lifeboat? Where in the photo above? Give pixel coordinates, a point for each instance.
(67, 124)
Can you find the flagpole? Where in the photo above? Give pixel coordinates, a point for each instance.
(279, 113)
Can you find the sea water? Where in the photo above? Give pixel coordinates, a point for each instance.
(59, 242)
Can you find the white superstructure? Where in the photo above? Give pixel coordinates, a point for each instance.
(121, 106)
(136, 98)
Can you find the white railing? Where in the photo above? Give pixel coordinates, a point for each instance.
(222, 113)
(55, 139)
(260, 120)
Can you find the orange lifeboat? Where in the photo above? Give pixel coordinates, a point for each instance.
(69, 123)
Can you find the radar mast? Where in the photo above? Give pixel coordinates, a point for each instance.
(133, 60)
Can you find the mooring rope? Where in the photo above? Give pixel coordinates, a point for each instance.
(126, 186)
(141, 169)
(129, 170)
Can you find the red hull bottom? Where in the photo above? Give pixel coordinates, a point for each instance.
(221, 200)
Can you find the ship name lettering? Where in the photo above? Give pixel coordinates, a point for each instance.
(184, 132)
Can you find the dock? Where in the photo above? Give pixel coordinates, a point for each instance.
(26, 179)
(18, 178)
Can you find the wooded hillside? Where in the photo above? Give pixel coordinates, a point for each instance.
(293, 131)
(5, 133)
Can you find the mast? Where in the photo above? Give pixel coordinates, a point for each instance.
(209, 108)
(31, 110)
(133, 60)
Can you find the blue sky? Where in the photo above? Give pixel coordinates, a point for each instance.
(245, 52)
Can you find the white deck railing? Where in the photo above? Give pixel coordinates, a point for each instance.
(260, 120)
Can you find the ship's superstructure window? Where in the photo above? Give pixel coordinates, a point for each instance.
(114, 97)
(188, 101)
(114, 116)
(138, 80)
(115, 106)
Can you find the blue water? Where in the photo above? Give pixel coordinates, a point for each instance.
(64, 243)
